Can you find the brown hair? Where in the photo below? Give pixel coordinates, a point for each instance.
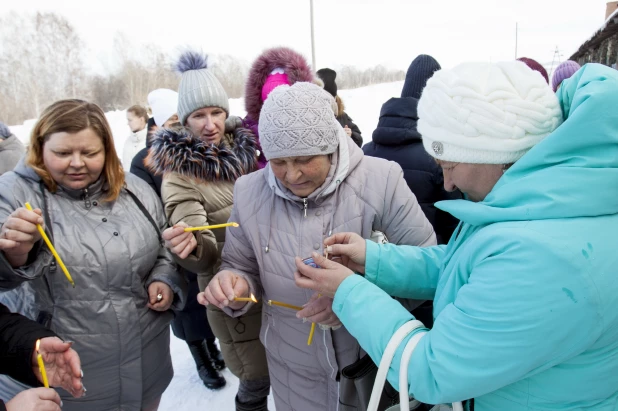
(73, 116)
(139, 111)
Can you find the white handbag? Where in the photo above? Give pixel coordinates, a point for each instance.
(385, 363)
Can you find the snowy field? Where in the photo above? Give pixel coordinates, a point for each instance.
(186, 391)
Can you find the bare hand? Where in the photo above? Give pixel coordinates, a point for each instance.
(319, 310)
(35, 399)
(19, 234)
(324, 280)
(62, 365)
(222, 290)
(348, 131)
(178, 241)
(156, 289)
(350, 248)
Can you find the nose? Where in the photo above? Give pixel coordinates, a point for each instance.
(77, 161)
(448, 182)
(293, 175)
(209, 125)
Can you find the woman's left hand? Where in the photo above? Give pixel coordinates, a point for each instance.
(178, 241)
(319, 310)
(324, 280)
(62, 365)
(167, 296)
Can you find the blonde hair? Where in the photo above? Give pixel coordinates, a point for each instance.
(73, 116)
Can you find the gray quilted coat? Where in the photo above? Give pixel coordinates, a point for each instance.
(361, 194)
(113, 253)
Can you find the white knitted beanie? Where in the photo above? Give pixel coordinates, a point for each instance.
(485, 113)
(164, 104)
(298, 120)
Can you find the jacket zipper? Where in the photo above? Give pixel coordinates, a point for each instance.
(305, 206)
(87, 201)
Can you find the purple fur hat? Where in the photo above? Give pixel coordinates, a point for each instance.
(292, 63)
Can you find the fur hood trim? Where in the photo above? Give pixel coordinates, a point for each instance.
(292, 63)
(179, 151)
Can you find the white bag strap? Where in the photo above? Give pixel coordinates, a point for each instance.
(387, 358)
(404, 396)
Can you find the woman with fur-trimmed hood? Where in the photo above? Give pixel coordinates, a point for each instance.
(274, 67)
(200, 164)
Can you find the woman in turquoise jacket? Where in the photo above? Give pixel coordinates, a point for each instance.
(526, 292)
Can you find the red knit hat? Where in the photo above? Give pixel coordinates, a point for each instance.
(536, 66)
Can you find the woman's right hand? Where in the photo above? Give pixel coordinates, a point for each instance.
(35, 399)
(178, 241)
(19, 234)
(350, 248)
(222, 290)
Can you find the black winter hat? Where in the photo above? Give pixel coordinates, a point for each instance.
(328, 76)
(421, 70)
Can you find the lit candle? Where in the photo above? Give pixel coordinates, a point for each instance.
(251, 299)
(280, 304)
(39, 359)
(52, 249)
(210, 227)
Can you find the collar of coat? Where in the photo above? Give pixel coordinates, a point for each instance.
(179, 151)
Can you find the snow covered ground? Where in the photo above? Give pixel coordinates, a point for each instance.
(186, 391)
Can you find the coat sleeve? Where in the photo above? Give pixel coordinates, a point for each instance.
(182, 201)
(165, 269)
(13, 195)
(507, 332)
(18, 337)
(402, 219)
(238, 256)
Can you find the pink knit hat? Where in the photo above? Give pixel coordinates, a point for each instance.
(276, 78)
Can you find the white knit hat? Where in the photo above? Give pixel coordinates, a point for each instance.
(486, 113)
(164, 104)
(298, 120)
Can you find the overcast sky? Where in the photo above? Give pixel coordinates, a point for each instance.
(362, 33)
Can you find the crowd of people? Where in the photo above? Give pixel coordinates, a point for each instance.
(477, 218)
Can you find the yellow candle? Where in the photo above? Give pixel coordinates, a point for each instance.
(210, 227)
(53, 250)
(250, 299)
(280, 304)
(39, 359)
(310, 339)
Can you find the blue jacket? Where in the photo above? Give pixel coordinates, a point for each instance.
(525, 293)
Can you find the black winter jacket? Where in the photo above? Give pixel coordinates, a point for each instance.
(397, 139)
(139, 169)
(18, 336)
(345, 120)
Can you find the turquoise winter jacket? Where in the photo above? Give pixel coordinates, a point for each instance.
(526, 292)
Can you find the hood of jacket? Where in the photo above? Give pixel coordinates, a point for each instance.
(398, 121)
(569, 174)
(292, 63)
(177, 150)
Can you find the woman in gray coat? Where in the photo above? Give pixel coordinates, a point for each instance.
(106, 227)
(318, 182)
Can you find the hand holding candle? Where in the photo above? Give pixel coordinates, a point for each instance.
(56, 364)
(18, 235)
(178, 241)
(223, 289)
(160, 296)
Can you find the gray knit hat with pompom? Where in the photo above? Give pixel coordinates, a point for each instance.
(198, 87)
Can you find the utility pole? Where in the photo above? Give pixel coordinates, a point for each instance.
(312, 37)
(553, 60)
(516, 40)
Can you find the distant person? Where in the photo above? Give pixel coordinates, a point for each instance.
(564, 71)
(536, 66)
(274, 67)
(11, 149)
(397, 139)
(328, 76)
(18, 359)
(164, 105)
(137, 117)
